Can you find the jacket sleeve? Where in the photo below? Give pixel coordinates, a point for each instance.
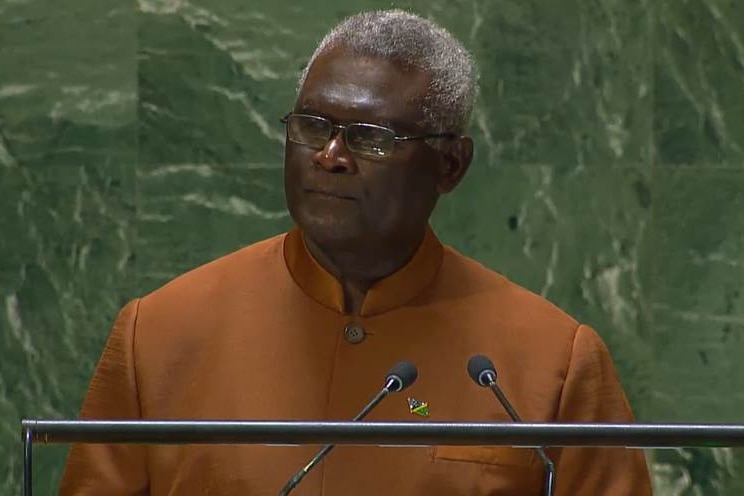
(111, 469)
(592, 393)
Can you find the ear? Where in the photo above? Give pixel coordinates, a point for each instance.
(456, 160)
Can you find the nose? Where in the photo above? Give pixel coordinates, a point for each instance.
(335, 156)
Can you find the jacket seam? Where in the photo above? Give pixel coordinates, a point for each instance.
(136, 382)
(568, 368)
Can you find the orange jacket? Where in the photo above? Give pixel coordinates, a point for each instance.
(259, 335)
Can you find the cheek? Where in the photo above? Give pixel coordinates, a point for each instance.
(295, 164)
(403, 197)
(293, 179)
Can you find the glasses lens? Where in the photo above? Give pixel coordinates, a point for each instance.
(370, 141)
(308, 130)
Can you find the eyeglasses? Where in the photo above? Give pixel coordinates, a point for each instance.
(365, 140)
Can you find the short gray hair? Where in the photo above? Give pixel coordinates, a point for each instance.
(411, 40)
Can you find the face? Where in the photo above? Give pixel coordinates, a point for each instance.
(346, 201)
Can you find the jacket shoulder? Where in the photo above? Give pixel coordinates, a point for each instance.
(242, 267)
(508, 302)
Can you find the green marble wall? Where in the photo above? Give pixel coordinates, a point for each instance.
(140, 139)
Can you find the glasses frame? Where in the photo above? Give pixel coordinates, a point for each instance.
(335, 128)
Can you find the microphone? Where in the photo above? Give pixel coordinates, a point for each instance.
(402, 375)
(483, 373)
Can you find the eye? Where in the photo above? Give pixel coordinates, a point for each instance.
(308, 130)
(370, 141)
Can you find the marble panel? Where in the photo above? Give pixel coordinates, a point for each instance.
(695, 294)
(65, 265)
(699, 83)
(68, 148)
(693, 273)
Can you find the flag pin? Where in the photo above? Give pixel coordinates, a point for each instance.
(420, 408)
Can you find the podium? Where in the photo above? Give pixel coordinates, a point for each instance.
(521, 435)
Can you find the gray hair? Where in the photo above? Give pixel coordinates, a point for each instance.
(411, 40)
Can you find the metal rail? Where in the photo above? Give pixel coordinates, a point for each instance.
(372, 433)
(384, 433)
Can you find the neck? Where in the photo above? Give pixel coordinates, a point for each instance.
(358, 270)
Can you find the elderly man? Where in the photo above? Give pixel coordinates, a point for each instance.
(304, 325)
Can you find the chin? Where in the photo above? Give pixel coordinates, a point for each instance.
(333, 234)
(338, 229)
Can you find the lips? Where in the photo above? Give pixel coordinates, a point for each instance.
(329, 194)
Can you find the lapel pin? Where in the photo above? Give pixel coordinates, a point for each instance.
(420, 408)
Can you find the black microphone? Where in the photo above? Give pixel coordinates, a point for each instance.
(483, 373)
(402, 375)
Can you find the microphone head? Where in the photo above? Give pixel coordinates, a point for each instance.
(481, 370)
(402, 375)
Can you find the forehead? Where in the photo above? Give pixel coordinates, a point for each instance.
(347, 87)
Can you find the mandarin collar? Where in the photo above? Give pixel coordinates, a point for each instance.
(386, 294)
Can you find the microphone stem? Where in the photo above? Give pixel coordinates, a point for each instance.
(549, 473)
(328, 447)
(380, 396)
(502, 399)
(547, 462)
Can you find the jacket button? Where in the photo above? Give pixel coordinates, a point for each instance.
(354, 333)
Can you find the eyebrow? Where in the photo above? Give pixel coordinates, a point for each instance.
(397, 126)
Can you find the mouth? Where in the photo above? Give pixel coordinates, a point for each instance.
(328, 194)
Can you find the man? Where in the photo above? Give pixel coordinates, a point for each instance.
(305, 325)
